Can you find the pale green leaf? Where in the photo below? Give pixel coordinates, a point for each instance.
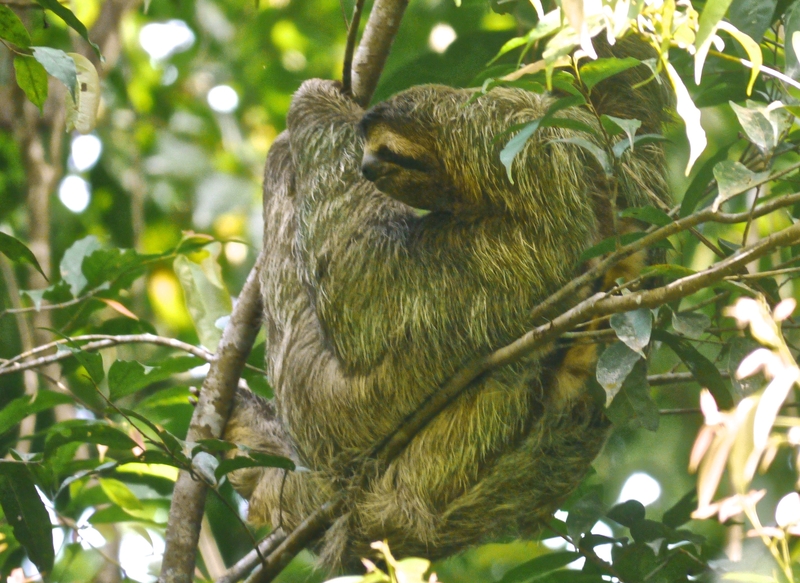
(207, 297)
(734, 178)
(82, 110)
(59, 65)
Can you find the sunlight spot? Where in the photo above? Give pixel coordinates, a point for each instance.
(442, 36)
(293, 60)
(74, 193)
(642, 487)
(163, 39)
(223, 99)
(235, 252)
(140, 558)
(85, 152)
(90, 537)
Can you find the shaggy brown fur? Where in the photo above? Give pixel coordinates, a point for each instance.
(369, 308)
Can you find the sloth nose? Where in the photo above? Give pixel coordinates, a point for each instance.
(369, 166)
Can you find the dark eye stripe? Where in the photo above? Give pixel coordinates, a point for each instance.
(387, 155)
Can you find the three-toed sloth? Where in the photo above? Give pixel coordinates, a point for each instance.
(371, 305)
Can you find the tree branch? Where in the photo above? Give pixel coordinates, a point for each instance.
(97, 342)
(594, 306)
(208, 421)
(297, 540)
(246, 564)
(382, 26)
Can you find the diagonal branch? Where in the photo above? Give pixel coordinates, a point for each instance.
(208, 421)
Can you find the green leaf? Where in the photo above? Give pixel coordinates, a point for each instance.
(596, 71)
(213, 446)
(614, 366)
(635, 562)
(634, 328)
(632, 406)
(712, 14)
(532, 570)
(253, 459)
(648, 214)
(690, 114)
(733, 179)
(622, 146)
(91, 361)
(72, 262)
(120, 494)
(762, 124)
(59, 65)
(83, 431)
(594, 150)
(791, 25)
(691, 324)
(12, 29)
(26, 514)
(67, 16)
(629, 126)
(16, 251)
(568, 124)
(16, 410)
(753, 18)
(702, 369)
(627, 513)
(32, 79)
(649, 530)
(207, 297)
(128, 376)
(175, 446)
(610, 244)
(681, 512)
(697, 189)
(118, 267)
(584, 514)
(515, 144)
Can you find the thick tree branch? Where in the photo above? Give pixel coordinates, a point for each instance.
(208, 421)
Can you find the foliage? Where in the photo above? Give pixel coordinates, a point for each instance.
(98, 361)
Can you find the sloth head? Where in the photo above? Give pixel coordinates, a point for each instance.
(401, 154)
(436, 148)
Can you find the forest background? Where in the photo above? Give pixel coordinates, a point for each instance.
(144, 216)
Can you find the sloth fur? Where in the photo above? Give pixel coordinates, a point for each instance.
(369, 307)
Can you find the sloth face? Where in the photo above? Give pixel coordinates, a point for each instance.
(401, 158)
(403, 169)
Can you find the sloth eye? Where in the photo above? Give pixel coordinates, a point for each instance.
(407, 162)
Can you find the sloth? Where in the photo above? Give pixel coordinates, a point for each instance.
(397, 250)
